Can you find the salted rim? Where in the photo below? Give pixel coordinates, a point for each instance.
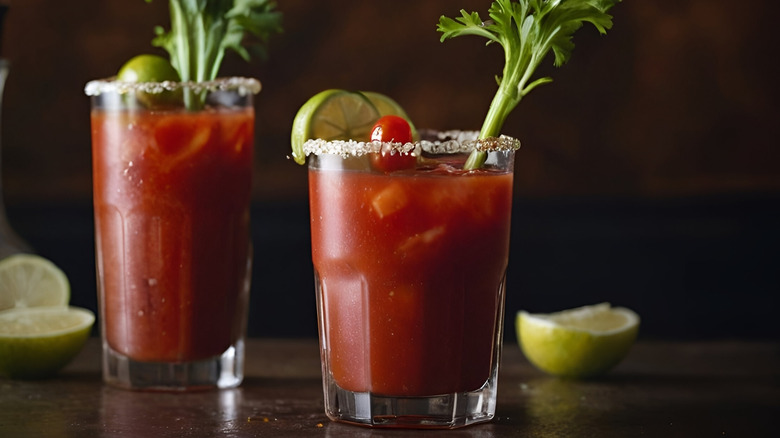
(438, 142)
(111, 85)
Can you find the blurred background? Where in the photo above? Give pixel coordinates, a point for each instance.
(649, 175)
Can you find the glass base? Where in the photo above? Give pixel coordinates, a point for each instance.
(445, 411)
(223, 371)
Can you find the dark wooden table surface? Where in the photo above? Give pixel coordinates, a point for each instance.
(663, 389)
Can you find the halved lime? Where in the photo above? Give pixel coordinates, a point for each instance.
(332, 115)
(147, 68)
(152, 68)
(28, 280)
(37, 342)
(578, 343)
(388, 106)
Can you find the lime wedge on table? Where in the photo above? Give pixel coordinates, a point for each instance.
(578, 343)
(28, 280)
(37, 342)
(332, 115)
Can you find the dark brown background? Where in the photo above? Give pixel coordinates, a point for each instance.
(649, 174)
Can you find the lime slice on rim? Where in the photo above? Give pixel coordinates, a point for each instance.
(578, 343)
(387, 106)
(152, 68)
(38, 342)
(28, 280)
(147, 68)
(332, 115)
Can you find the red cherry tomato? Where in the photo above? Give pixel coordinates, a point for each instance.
(392, 129)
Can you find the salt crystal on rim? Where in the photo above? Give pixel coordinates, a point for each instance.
(111, 85)
(444, 142)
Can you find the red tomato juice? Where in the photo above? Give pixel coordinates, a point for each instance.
(411, 269)
(171, 198)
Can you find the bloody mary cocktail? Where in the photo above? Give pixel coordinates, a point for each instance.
(172, 191)
(410, 273)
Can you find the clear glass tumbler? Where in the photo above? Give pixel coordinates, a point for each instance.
(410, 270)
(172, 188)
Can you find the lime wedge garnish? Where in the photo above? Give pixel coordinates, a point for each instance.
(387, 106)
(37, 342)
(582, 342)
(332, 115)
(28, 280)
(147, 68)
(152, 68)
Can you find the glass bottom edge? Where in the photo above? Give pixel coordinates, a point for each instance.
(217, 372)
(444, 411)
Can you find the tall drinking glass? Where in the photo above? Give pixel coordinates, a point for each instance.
(172, 189)
(410, 269)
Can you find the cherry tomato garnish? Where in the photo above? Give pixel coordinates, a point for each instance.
(392, 129)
